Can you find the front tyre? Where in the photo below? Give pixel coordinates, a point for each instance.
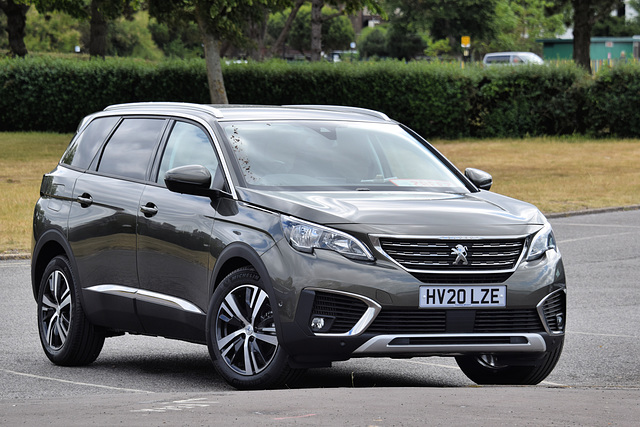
(487, 369)
(66, 335)
(241, 334)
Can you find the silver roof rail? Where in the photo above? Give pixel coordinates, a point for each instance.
(343, 109)
(201, 107)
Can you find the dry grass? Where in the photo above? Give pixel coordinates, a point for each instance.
(557, 175)
(24, 158)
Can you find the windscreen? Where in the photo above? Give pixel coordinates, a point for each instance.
(313, 155)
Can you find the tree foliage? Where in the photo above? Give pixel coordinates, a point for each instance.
(97, 12)
(373, 43)
(446, 19)
(337, 33)
(518, 23)
(218, 21)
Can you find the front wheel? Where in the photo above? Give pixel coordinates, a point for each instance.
(66, 335)
(507, 370)
(242, 337)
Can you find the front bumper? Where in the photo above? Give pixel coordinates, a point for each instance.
(372, 310)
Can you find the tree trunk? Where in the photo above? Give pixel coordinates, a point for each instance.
(583, 21)
(97, 31)
(316, 29)
(287, 27)
(16, 21)
(212, 58)
(258, 32)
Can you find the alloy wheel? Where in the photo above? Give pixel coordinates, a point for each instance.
(56, 310)
(245, 330)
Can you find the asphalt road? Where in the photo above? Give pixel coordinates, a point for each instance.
(153, 381)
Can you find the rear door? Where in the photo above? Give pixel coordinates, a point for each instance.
(102, 222)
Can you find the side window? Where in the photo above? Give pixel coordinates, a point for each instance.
(187, 145)
(85, 146)
(129, 150)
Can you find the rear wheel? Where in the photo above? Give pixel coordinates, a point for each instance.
(497, 369)
(242, 337)
(66, 335)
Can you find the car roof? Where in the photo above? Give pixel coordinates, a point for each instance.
(231, 112)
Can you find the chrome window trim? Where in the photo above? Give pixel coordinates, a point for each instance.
(373, 308)
(148, 296)
(143, 110)
(375, 240)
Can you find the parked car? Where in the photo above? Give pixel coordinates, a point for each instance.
(511, 58)
(287, 238)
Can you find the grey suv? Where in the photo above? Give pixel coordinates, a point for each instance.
(286, 238)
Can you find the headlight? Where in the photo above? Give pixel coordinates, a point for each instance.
(305, 237)
(541, 242)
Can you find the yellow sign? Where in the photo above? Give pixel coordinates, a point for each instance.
(465, 41)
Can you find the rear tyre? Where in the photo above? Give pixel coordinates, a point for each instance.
(487, 369)
(242, 337)
(66, 335)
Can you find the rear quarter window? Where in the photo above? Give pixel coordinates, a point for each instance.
(84, 146)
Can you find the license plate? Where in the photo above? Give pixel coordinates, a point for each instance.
(463, 296)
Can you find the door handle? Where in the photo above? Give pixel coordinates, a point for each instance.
(149, 209)
(85, 200)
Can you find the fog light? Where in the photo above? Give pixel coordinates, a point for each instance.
(560, 321)
(317, 323)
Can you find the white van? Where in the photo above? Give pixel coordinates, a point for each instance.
(511, 58)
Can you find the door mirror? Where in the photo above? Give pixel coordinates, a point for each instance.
(480, 178)
(190, 179)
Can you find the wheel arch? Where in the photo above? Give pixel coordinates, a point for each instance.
(51, 244)
(235, 256)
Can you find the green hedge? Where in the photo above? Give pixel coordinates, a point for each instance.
(519, 101)
(436, 100)
(44, 94)
(613, 102)
(432, 99)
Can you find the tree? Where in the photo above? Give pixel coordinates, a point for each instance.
(97, 12)
(177, 37)
(403, 42)
(16, 22)
(585, 15)
(218, 21)
(337, 32)
(446, 19)
(373, 43)
(517, 25)
(345, 7)
(284, 33)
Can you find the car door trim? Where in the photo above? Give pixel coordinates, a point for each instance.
(147, 296)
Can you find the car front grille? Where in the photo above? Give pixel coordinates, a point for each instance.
(410, 321)
(434, 260)
(500, 321)
(462, 279)
(458, 321)
(346, 311)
